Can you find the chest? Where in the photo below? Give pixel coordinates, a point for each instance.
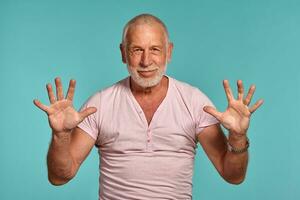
(149, 106)
(138, 125)
(127, 132)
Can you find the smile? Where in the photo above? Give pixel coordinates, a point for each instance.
(148, 73)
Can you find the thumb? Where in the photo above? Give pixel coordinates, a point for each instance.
(212, 111)
(41, 106)
(87, 112)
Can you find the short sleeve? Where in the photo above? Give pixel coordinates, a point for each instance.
(90, 123)
(203, 119)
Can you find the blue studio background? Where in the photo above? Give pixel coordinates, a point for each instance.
(256, 41)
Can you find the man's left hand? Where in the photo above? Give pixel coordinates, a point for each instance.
(236, 118)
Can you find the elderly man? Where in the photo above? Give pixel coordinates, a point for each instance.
(147, 126)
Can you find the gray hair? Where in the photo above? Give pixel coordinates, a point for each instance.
(143, 19)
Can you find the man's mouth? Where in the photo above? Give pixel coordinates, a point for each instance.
(147, 73)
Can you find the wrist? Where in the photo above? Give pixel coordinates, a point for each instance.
(61, 135)
(237, 137)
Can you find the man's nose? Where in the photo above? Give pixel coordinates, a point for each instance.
(146, 59)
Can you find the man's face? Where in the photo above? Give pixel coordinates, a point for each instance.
(146, 53)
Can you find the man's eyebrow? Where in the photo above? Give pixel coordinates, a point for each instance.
(138, 46)
(134, 46)
(159, 46)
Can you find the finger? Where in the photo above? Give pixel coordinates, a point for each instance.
(248, 98)
(41, 106)
(227, 89)
(50, 93)
(71, 90)
(59, 89)
(240, 90)
(256, 106)
(87, 112)
(212, 111)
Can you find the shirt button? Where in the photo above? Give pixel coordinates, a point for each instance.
(148, 135)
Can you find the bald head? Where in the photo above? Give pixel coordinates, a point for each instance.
(144, 19)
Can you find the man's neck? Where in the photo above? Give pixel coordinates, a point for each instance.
(138, 90)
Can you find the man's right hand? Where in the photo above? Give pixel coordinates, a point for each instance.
(61, 114)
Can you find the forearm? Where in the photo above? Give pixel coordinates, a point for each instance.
(235, 164)
(59, 160)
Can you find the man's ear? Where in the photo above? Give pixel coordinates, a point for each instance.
(123, 53)
(170, 50)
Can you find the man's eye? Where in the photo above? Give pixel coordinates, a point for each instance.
(155, 50)
(137, 50)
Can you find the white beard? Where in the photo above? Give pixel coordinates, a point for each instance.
(147, 82)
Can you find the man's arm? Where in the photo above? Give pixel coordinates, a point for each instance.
(231, 164)
(69, 145)
(66, 153)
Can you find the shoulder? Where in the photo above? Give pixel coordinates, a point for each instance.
(116, 87)
(106, 94)
(187, 90)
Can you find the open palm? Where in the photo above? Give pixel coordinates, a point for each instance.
(236, 118)
(61, 114)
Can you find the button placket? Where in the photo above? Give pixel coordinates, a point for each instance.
(149, 135)
(149, 139)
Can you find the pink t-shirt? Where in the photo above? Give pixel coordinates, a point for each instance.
(141, 161)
